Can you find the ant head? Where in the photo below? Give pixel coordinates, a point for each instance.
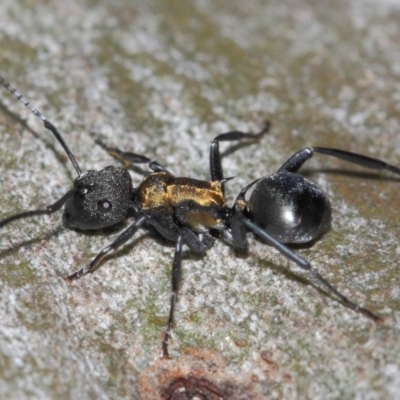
(100, 199)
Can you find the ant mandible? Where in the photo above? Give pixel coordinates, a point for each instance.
(283, 208)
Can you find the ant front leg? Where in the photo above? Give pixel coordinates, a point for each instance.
(119, 241)
(128, 158)
(215, 156)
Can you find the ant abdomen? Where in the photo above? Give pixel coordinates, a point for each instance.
(290, 208)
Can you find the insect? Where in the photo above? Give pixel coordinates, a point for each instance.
(283, 208)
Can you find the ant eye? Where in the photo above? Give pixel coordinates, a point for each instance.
(104, 206)
(83, 191)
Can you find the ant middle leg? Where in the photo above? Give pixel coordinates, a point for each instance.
(175, 278)
(215, 156)
(197, 243)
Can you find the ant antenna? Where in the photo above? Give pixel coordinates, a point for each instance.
(47, 124)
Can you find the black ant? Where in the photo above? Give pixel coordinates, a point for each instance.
(283, 207)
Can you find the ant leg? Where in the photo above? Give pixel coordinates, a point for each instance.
(302, 263)
(359, 159)
(215, 156)
(197, 243)
(298, 159)
(236, 234)
(295, 162)
(128, 158)
(175, 277)
(48, 210)
(119, 241)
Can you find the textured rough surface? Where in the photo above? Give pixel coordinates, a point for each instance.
(162, 78)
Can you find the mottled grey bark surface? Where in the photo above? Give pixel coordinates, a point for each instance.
(162, 78)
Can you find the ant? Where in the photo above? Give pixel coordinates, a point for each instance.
(284, 207)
